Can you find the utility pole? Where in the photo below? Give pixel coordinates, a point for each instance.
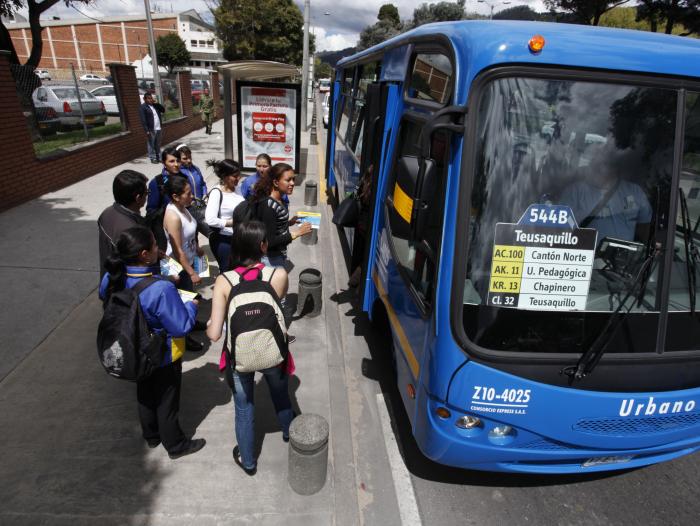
(491, 5)
(154, 58)
(305, 68)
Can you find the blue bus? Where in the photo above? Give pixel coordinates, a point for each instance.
(529, 207)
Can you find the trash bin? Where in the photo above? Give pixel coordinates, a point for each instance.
(310, 193)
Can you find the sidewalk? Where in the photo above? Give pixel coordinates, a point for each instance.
(72, 452)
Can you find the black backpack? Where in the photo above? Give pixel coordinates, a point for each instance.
(126, 347)
(154, 218)
(247, 211)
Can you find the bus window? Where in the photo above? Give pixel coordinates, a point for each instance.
(684, 325)
(418, 258)
(431, 78)
(604, 150)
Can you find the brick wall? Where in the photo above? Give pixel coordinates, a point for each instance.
(28, 177)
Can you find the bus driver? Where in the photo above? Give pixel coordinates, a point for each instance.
(604, 201)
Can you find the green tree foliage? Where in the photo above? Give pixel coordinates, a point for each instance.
(35, 10)
(667, 14)
(172, 52)
(390, 13)
(584, 11)
(518, 12)
(624, 18)
(388, 25)
(438, 12)
(261, 30)
(322, 70)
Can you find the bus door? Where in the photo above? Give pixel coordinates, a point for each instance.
(370, 164)
(408, 254)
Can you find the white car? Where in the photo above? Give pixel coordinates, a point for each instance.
(109, 97)
(89, 77)
(324, 85)
(43, 74)
(326, 106)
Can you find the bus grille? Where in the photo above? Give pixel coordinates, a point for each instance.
(544, 444)
(637, 426)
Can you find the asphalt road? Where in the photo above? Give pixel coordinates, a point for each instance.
(665, 494)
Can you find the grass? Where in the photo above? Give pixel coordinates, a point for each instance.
(172, 113)
(63, 140)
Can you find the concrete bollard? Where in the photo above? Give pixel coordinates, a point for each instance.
(310, 238)
(308, 453)
(310, 288)
(310, 193)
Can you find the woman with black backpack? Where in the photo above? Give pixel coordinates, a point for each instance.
(136, 258)
(256, 338)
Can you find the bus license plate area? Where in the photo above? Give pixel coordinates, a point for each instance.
(599, 461)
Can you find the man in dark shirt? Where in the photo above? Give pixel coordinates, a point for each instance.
(151, 114)
(129, 189)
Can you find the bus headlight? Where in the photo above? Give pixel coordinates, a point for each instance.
(468, 422)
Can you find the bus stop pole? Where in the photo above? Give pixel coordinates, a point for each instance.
(305, 69)
(228, 118)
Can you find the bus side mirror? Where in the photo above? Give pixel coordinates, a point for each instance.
(401, 198)
(425, 193)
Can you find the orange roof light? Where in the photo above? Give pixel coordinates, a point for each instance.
(536, 44)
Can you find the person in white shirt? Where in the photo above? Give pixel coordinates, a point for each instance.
(151, 115)
(223, 200)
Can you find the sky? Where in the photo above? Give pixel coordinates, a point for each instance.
(336, 25)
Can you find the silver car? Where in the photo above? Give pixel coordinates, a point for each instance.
(64, 100)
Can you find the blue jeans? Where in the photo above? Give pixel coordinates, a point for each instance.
(244, 402)
(153, 141)
(221, 246)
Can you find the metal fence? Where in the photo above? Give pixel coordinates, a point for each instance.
(61, 113)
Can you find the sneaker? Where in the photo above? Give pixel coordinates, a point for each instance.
(291, 338)
(237, 459)
(193, 345)
(191, 446)
(155, 161)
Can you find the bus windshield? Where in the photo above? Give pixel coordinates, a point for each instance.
(571, 194)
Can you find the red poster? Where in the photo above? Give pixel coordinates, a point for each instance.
(269, 127)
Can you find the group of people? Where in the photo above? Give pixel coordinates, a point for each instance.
(248, 230)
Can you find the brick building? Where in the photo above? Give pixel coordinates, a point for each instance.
(90, 45)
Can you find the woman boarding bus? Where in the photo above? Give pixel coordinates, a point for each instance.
(533, 238)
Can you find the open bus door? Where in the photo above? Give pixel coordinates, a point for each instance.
(372, 141)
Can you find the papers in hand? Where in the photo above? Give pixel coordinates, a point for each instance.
(201, 266)
(186, 295)
(310, 217)
(169, 267)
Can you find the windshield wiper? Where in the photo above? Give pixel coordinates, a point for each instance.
(691, 250)
(592, 356)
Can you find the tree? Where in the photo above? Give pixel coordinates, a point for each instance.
(390, 13)
(261, 30)
(438, 12)
(519, 12)
(35, 9)
(584, 11)
(172, 52)
(669, 13)
(322, 70)
(388, 25)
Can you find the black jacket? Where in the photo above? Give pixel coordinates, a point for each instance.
(112, 222)
(147, 115)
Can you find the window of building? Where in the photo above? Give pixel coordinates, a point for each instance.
(193, 43)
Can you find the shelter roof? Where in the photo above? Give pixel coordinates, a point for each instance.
(257, 69)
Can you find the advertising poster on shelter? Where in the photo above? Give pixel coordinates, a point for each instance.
(268, 122)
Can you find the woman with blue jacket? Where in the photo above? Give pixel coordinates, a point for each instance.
(136, 257)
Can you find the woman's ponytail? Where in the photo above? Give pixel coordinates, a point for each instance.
(127, 251)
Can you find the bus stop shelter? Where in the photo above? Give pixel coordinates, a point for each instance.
(247, 70)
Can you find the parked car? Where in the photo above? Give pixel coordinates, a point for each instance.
(43, 74)
(64, 101)
(326, 107)
(324, 85)
(89, 77)
(108, 96)
(46, 119)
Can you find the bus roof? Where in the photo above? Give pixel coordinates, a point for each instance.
(481, 44)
